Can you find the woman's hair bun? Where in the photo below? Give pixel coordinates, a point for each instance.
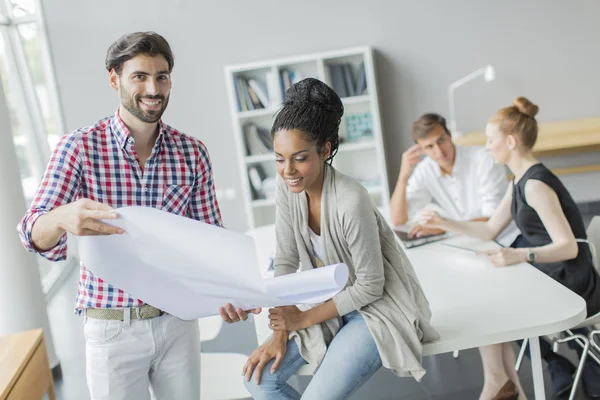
(313, 91)
(525, 106)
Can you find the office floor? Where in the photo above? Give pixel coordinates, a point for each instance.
(446, 378)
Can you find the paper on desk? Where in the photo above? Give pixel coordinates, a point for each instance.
(190, 269)
(472, 244)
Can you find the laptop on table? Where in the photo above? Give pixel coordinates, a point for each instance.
(409, 242)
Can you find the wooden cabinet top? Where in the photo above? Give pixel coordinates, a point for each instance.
(15, 352)
(561, 137)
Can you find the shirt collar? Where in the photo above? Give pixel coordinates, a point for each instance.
(123, 134)
(456, 168)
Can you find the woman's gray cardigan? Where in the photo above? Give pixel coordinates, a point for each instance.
(382, 284)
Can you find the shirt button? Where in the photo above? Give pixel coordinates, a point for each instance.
(145, 188)
(130, 140)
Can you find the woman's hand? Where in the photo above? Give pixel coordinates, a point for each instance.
(274, 348)
(420, 230)
(506, 256)
(230, 314)
(288, 318)
(431, 219)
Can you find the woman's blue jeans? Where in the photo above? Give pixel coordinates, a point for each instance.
(351, 359)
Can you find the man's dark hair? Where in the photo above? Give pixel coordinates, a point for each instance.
(426, 123)
(315, 109)
(133, 44)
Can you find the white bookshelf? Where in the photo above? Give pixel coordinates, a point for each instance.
(361, 157)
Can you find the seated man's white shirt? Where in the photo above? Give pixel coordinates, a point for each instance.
(473, 190)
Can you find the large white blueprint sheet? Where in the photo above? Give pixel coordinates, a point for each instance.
(190, 269)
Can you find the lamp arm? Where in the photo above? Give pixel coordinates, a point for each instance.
(467, 78)
(451, 117)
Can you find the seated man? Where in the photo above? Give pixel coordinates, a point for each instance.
(461, 183)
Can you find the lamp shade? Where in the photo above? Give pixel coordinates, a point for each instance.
(489, 74)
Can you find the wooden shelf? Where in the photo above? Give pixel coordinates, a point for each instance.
(554, 138)
(578, 169)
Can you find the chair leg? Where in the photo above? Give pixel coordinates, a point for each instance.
(586, 347)
(593, 342)
(521, 354)
(591, 353)
(455, 354)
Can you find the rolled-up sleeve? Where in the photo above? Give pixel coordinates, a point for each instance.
(417, 193)
(361, 231)
(203, 202)
(59, 186)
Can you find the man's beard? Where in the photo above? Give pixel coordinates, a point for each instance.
(134, 107)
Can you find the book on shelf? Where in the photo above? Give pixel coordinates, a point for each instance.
(347, 72)
(337, 80)
(361, 80)
(256, 174)
(257, 140)
(256, 103)
(239, 95)
(343, 82)
(261, 185)
(251, 94)
(261, 92)
(287, 78)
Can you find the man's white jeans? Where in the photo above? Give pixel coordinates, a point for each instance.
(125, 358)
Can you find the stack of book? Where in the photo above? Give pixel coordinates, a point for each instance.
(287, 78)
(261, 185)
(251, 94)
(257, 140)
(343, 82)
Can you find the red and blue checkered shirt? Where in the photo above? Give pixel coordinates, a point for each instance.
(100, 163)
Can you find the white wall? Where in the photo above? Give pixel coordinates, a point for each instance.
(545, 50)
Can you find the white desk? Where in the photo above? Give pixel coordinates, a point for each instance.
(475, 304)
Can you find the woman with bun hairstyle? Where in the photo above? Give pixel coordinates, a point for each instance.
(550, 224)
(324, 217)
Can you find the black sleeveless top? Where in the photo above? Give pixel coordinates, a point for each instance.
(577, 274)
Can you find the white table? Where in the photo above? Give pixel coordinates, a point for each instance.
(476, 304)
(473, 303)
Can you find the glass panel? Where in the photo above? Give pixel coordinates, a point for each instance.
(21, 128)
(22, 8)
(32, 47)
(19, 119)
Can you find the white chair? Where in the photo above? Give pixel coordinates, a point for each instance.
(593, 233)
(221, 373)
(264, 239)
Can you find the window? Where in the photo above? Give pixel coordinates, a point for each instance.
(30, 90)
